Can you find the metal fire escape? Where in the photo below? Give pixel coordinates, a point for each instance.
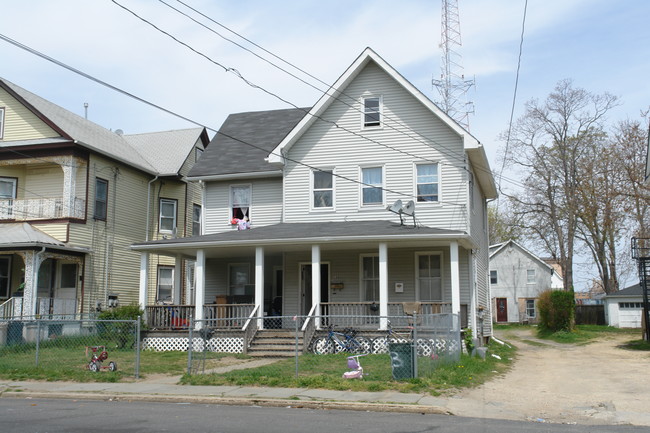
(641, 253)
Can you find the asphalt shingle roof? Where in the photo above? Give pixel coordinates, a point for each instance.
(229, 151)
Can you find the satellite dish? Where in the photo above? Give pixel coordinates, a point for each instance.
(395, 207)
(409, 209)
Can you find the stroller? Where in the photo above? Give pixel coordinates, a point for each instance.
(356, 370)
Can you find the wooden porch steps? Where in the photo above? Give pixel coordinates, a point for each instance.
(275, 343)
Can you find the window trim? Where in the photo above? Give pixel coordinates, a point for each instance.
(312, 190)
(173, 278)
(95, 214)
(418, 295)
(195, 222)
(362, 280)
(160, 215)
(198, 153)
(496, 277)
(230, 199)
(528, 280)
(2, 123)
(364, 112)
(381, 187)
(534, 315)
(230, 283)
(416, 183)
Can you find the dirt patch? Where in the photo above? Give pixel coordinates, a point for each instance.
(595, 383)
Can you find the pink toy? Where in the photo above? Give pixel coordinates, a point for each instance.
(356, 370)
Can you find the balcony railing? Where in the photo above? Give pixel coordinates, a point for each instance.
(51, 308)
(40, 209)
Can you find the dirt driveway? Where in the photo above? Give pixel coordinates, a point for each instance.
(596, 383)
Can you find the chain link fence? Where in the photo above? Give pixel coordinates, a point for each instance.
(260, 351)
(70, 348)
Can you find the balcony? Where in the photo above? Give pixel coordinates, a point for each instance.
(40, 209)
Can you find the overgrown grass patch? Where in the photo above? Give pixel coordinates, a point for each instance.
(325, 372)
(641, 345)
(583, 334)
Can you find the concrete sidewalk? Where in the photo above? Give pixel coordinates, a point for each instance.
(166, 389)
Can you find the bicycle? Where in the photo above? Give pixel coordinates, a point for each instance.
(380, 344)
(336, 342)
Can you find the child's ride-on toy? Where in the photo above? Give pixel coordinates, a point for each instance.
(99, 355)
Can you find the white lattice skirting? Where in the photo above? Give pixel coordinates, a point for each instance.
(166, 344)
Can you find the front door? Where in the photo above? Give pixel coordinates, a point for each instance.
(502, 310)
(305, 286)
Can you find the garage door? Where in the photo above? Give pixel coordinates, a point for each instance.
(629, 314)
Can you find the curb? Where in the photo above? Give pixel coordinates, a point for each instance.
(229, 401)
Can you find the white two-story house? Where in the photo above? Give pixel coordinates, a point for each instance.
(371, 198)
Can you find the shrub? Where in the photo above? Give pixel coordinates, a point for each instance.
(123, 333)
(556, 310)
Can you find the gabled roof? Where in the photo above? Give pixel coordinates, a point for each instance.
(166, 151)
(126, 149)
(243, 143)
(498, 248)
(634, 291)
(473, 147)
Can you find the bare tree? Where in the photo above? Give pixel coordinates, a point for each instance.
(548, 144)
(502, 225)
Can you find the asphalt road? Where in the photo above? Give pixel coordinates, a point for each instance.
(87, 416)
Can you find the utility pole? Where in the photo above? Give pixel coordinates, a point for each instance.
(452, 84)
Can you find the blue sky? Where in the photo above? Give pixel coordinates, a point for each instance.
(600, 44)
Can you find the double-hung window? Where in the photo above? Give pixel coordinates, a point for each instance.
(7, 195)
(5, 268)
(430, 277)
(530, 276)
(370, 278)
(165, 283)
(101, 199)
(494, 277)
(196, 220)
(372, 192)
(323, 189)
(371, 112)
(427, 182)
(530, 308)
(167, 222)
(240, 202)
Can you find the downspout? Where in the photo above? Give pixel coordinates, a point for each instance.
(149, 205)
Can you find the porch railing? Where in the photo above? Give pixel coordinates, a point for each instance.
(227, 315)
(169, 317)
(250, 328)
(50, 308)
(40, 208)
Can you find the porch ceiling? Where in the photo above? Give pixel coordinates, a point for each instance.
(301, 236)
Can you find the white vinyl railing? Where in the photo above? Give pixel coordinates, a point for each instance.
(40, 208)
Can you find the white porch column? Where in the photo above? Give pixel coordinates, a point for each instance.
(259, 284)
(33, 260)
(69, 167)
(383, 286)
(455, 278)
(178, 270)
(315, 282)
(144, 280)
(199, 280)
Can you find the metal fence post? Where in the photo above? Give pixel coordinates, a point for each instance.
(415, 345)
(189, 347)
(38, 339)
(137, 348)
(296, 347)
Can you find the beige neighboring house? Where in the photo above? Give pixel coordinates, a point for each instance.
(74, 196)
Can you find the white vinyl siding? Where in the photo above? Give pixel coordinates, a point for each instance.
(325, 146)
(20, 123)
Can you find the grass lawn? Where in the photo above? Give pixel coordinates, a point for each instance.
(583, 334)
(325, 372)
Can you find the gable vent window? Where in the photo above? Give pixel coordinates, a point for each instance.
(371, 112)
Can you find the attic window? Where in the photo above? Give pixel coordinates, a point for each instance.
(371, 112)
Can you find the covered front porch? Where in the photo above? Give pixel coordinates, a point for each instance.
(322, 271)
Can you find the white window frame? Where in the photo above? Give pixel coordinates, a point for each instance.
(7, 278)
(418, 292)
(104, 216)
(232, 286)
(417, 183)
(363, 186)
(161, 216)
(496, 277)
(2, 123)
(313, 190)
(531, 276)
(366, 124)
(158, 285)
(6, 208)
(232, 201)
(529, 309)
(363, 280)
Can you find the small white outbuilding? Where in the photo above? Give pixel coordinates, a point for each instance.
(624, 308)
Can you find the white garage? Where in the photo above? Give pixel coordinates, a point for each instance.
(624, 308)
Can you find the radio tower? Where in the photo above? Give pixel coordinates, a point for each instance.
(452, 84)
